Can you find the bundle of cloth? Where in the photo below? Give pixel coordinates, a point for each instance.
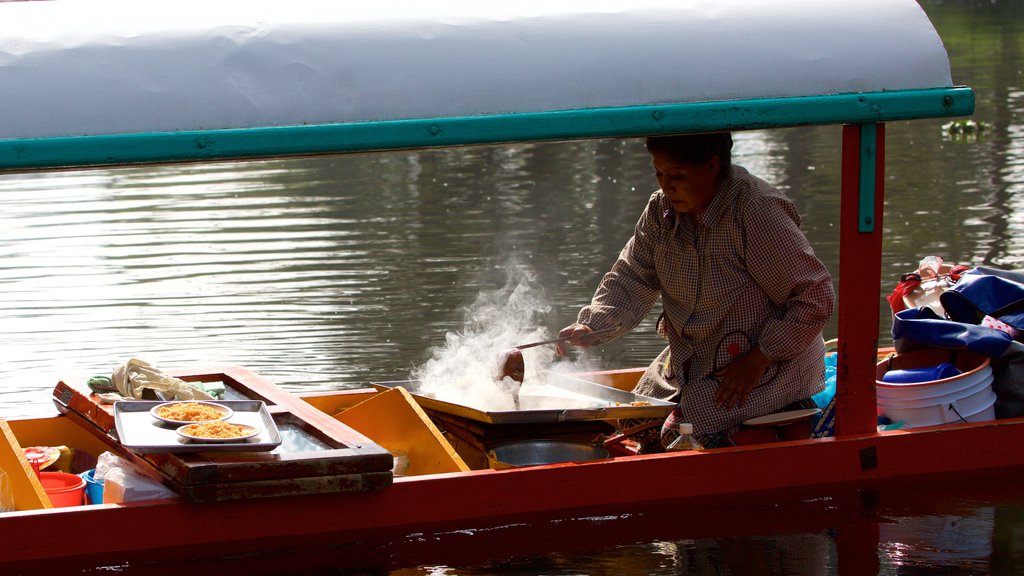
(132, 379)
(983, 313)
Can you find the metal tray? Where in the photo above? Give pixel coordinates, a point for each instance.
(138, 430)
(598, 403)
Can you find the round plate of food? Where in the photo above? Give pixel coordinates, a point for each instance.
(217, 431)
(190, 412)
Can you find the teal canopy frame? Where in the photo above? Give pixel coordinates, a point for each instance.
(278, 141)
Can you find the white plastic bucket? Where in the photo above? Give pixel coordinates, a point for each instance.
(975, 408)
(939, 395)
(965, 397)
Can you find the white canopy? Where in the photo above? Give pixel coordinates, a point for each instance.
(101, 67)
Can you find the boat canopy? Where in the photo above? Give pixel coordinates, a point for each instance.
(117, 81)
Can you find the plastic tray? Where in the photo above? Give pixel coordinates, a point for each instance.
(139, 431)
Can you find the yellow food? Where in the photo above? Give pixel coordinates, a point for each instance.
(190, 412)
(216, 430)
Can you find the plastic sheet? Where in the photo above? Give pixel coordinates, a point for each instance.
(123, 482)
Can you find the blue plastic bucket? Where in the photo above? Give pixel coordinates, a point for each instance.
(93, 489)
(923, 374)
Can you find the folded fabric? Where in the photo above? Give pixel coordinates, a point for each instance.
(135, 376)
(984, 291)
(916, 328)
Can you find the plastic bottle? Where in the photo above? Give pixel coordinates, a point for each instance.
(685, 441)
(929, 268)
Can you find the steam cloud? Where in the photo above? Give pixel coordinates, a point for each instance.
(463, 371)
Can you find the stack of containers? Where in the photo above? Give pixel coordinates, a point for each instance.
(935, 386)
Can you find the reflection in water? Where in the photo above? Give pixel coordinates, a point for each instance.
(929, 541)
(757, 555)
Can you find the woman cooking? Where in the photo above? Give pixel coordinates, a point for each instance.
(744, 296)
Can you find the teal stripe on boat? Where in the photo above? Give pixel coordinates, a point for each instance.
(264, 142)
(868, 164)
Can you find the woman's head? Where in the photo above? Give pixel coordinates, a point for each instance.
(690, 168)
(694, 148)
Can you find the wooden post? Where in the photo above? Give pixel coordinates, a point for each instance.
(860, 265)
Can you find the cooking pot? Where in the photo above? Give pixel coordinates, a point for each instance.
(537, 452)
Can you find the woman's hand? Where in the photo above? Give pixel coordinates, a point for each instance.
(578, 335)
(737, 378)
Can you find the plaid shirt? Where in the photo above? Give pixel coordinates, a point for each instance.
(743, 276)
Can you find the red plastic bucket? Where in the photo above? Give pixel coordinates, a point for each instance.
(62, 488)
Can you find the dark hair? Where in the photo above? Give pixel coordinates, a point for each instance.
(695, 148)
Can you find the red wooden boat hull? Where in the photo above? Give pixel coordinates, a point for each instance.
(693, 483)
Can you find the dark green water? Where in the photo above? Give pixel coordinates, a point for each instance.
(333, 272)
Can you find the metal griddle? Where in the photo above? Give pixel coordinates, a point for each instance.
(602, 403)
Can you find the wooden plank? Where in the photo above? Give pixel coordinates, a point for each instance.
(226, 491)
(81, 436)
(397, 422)
(28, 493)
(85, 404)
(248, 466)
(860, 258)
(258, 387)
(334, 401)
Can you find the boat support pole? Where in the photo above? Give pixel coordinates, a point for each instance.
(860, 272)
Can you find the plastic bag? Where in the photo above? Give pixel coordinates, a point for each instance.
(924, 286)
(135, 376)
(823, 398)
(124, 482)
(106, 461)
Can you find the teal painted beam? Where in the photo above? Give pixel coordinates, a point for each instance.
(267, 142)
(868, 165)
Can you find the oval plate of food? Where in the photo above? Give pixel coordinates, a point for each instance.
(217, 431)
(190, 412)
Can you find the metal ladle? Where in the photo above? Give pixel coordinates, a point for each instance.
(561, 339)
(514, 366)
